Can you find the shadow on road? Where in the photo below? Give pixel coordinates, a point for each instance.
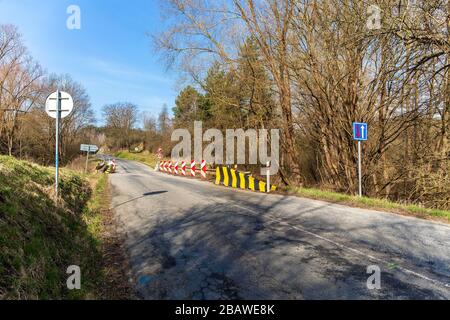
(152, 193)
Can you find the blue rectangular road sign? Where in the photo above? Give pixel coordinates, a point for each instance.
(360, 131)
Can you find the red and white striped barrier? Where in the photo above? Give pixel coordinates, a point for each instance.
(203, 169)
(192, 168)
(177, 168)
(183, 168)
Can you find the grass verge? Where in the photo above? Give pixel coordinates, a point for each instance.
(144, 157)
(371, 203)
(39, 240)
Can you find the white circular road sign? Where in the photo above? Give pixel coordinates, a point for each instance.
(51, 105)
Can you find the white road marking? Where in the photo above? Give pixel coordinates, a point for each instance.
(340, 245)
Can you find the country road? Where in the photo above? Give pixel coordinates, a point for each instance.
(189, 239)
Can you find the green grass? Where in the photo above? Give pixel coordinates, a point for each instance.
(144, 157)
(92, 214)
(39, 240)
(372, 203)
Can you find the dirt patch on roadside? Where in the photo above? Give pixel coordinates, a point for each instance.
(115, 263)
(117, 283)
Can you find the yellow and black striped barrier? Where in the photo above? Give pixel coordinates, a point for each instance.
(235, 179)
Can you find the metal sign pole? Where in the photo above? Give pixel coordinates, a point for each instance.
(62, 108)
(359, 168)
(87, 159)
(268, 176)
(58, 116)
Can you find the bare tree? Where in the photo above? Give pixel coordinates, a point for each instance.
(120, 120)
(19, 85)
(219, 28)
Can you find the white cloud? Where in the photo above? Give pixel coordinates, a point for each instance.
(120, 71)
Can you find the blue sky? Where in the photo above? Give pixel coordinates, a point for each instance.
(111, 55)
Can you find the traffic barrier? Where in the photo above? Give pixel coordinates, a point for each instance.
(203, 169)
(224, 175)
(235, 179)
(183, 168)
(192, 168)
(110, 166)
(177, 169)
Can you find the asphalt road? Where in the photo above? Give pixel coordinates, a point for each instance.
(189, 239)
